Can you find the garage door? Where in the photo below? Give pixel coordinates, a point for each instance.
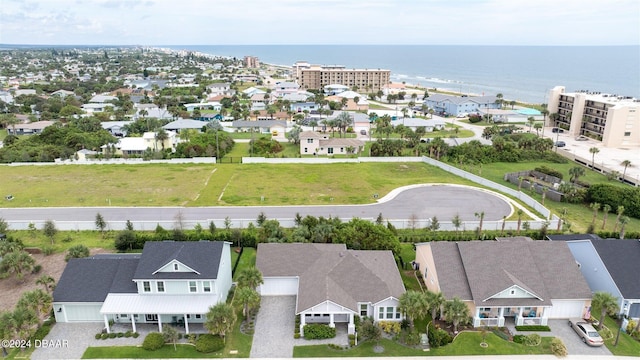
(86, 313)
(279, 286)
(563, 309)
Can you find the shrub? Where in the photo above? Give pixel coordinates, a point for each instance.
(549, 171)
(501, 334)
(533, 328)
(296, 336)
(390, 327)
(36, 269)
(410, 338)
(112, 335)
(98, 336)
(208, 343)
(319, 331)
(519, 339)
(631, 326)
(438, 337)
(192, 338)
(153, 341)
(558, 348)
(104, 336)
(128, 334)
(120, 334)
(135, 335)
(532, 340)
(48, 250)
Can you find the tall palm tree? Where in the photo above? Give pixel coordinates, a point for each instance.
(220, 319)
(607, 304)
(595, 207)
(619, 212)
(10, 120)
(575, 172)
(519, 212)
(531, 120)
(456, 312)
(623, 222)
(594, 150)
(38, 301)
(436, 300)
(626, 164)
(249, 299)
(480, 215)
(22, 322)
(414, 305)
(538, 127)
(161, 136)
(250, 277)
(605, 212)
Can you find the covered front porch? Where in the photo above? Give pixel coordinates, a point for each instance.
(188, 312)
(522, 315)
(328, 313)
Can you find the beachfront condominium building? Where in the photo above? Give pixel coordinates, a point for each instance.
(318, 76)
(614, 120)
(251, 62)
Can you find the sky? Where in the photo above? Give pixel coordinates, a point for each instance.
(257, 22)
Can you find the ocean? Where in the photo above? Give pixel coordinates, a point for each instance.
(523, 73)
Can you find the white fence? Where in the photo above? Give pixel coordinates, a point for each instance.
(321, 160)
(119, 161)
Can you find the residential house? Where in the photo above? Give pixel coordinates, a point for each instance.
(205, 105)
(332, 284)
(169, 283)
(136, 146)
(92, 108)
(184, 124)
(459, 105)
(413, 123)
(101, 99)
(314, 143)
(62, 93)
(250, 91)
(302, 106)
(116, 128)
(217, 89)
(31, 128)
(515, 279)
(300, 96)
(282, 88)
(260, 127)
(609, 265)
(351, 96)
(333, 89)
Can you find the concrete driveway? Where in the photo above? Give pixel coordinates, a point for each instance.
(574, 344)
(273, 336)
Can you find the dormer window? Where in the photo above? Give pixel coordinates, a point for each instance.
(175, 267)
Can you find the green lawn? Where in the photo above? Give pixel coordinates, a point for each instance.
(65, 239)
(627, 346)
(247, 260)
(467, 343)
(134, 352)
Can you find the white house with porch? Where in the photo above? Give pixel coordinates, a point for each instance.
(169, 283)
(332, 285)
(510, 279)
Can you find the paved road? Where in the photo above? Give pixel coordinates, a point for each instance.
(421, 202)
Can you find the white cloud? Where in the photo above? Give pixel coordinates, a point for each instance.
(540, 22)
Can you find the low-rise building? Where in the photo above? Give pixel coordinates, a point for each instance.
(457, 105)
(314, 143)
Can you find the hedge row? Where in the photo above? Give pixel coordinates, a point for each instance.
(615, 196)
(318, 331)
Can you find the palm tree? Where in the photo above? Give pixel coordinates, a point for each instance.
(623, 221)
(22, 322)
(220, 319)
(538, 127)
(48, 282)
(435, 300)
(531, 120)
(161, 136)
(607, 304)
(619, 211)
(499, 99)
(18, 262)
(171, 335)
(10, 120)
(249, 299)
(456, 312)
(595, 207)
(519, 212)
(414, 305)
(575, 172)
(626, 164)
(5, 330)
(605, 210)
(250, 277)
(36, 300)
(593, 151)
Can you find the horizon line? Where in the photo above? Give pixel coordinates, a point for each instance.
(280, 44)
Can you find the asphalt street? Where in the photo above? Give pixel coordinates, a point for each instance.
(420, 202)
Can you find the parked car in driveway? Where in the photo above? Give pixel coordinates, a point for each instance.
(560, 144)
(587, 332)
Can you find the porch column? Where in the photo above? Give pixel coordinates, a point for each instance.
(106, 323)
(501, 317)
(351, 328)
(159, 323)
(476, 319)
(133, 322)
(331, 323)
(186, 324)
(302, 323)
(519, 320)
(543, 318)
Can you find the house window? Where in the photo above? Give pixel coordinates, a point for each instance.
(364, 309)
(192, 286)
(309, 141)
(160, 285)
(330, 150)
(627, 133)
(390, 312)
(512, 291)
(381, 313)
(175, 267)
(425, 273)
(123, 316)
(305, 150)
(146, 286)
(198, 316)
(206, 286)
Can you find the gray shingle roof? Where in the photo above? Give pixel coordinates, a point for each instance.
(91, 279)
(201, 256)
(331, 272)
(478, 270)
(622, 259)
